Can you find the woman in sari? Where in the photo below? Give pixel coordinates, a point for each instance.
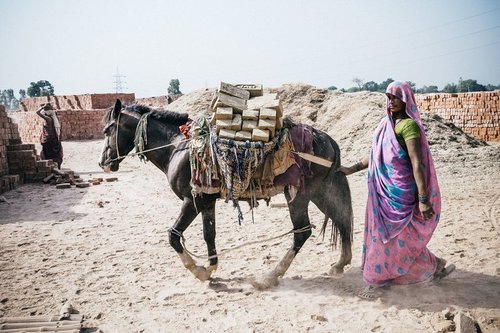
(404, 202)
(50, 137)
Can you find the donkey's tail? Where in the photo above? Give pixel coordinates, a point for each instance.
(340, 208)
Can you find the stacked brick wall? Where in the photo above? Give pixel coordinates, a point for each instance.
(75, 125)
(476, 113)
(9, 134)
(76, 102)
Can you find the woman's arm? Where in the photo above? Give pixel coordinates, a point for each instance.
(415, 153)
(41, 114)
(361, 165)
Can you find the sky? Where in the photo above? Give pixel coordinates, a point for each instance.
(86, 46)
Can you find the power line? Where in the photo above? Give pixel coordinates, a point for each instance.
(451, 22)
(453, 52)
(432, 43)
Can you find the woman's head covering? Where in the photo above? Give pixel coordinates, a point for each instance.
(402, 90)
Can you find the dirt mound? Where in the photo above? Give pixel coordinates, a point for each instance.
(351, 118)
(194, 103)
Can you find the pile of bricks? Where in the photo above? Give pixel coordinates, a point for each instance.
(24, 162)
(476, 113)
(243, 112)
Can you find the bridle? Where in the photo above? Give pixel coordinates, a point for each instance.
(118, 157)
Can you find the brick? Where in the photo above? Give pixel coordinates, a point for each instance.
(227, 133)
(243, 135)
(234, 90)
(260, 135)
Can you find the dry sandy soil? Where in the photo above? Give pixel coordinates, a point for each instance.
(105, 248)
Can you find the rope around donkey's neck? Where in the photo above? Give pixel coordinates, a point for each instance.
(223, 252)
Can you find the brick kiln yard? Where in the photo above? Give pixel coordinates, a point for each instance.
(105, 247)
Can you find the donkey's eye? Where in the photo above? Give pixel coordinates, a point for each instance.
(107, 129)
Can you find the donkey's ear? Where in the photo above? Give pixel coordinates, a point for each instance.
(117, 108)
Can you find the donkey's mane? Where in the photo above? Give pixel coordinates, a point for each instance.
(170, 117)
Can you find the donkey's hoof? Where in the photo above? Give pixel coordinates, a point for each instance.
(201, 273)
(336, 270)
(211, 268)
(264, 283)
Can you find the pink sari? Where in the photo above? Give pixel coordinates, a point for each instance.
(396, 234)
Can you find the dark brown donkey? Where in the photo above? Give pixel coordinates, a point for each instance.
(326, 188)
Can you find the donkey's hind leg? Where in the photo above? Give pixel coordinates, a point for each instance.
(300, 219)
(187, 215)
(334, 200)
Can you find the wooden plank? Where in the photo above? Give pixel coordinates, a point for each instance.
(32, 319)
(255, 90)
(69, 328)
(51, 324)
(234, 90)
(315, 159)
(238, 104)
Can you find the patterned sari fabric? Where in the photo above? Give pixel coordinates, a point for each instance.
(396, 234)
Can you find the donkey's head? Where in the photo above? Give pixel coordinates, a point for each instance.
(118, 138)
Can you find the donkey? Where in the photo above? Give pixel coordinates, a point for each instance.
(326, 188)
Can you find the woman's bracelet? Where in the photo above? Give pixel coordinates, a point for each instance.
(423, 198)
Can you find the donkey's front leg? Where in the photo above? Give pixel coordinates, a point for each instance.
(300, 220)
(187, 215)
(209, 232)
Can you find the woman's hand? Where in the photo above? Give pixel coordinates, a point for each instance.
(426, 210)
(346, 170)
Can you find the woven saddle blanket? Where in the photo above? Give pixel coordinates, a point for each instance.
(248, 169)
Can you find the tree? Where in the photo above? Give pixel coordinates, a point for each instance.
(491, 87)
(173, 88)
(383, 85)
(359, 82)
(3, 98)
(332, 88)
(450, 88)
(40, 88)
(469, 85)
(370, 86)
(428, 90)
(8, 99)
(22, 94)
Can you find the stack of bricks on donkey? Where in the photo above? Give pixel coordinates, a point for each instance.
(244, 113)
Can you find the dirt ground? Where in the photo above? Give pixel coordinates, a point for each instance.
(105, 248)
